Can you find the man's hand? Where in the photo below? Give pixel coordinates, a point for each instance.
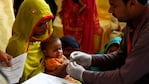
(4, 57)
(75, 70)
(81, 58)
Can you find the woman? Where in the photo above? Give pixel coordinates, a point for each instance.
(32, 25)
(81, 24)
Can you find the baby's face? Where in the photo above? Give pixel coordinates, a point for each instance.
(55, 49)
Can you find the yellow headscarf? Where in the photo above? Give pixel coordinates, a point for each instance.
(31, 13)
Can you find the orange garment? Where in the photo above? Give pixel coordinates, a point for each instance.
(52, 63)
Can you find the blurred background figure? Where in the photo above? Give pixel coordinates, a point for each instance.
(69, 44)
(81, 25)
(112, 46)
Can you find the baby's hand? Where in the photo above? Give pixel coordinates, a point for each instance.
(66, 61)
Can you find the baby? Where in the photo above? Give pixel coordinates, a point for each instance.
(55, 61)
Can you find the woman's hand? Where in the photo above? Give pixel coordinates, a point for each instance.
(4, 57)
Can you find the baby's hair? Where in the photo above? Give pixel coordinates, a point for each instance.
(48, 41)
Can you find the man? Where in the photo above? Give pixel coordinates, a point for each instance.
(128, 65)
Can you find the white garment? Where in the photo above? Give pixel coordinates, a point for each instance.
(6, 22)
